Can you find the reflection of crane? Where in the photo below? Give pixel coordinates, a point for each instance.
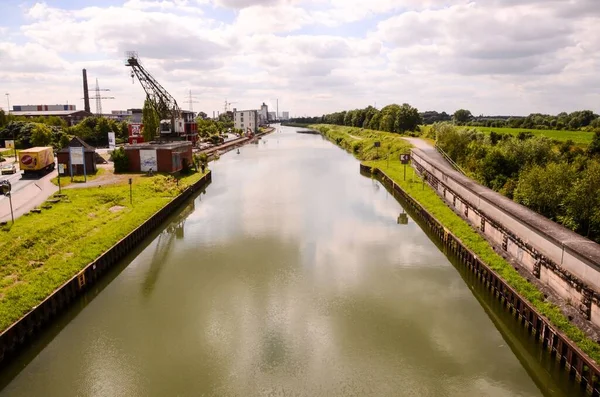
(227, 105)
(172, 123)
(164, 244)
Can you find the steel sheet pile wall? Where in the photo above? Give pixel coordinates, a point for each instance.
(584, 369)
(567, 263)
(29, 325)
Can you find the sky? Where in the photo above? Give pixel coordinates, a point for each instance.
(493, 57)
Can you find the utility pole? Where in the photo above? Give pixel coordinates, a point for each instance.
(277, 114)
(8, 102)
(191, 100)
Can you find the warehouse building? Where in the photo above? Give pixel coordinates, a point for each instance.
(69, 113)
(167, 157)
(246, 120)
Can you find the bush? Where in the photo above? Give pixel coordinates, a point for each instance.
(120, 159)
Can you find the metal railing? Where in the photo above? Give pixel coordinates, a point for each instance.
(449, 160)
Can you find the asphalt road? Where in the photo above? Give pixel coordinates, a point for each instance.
(27, 193)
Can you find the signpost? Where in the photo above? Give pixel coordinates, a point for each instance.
(130, 193)
(61, 170)
(10, 144)
(405, 159)
(377, 144)
(77, 157)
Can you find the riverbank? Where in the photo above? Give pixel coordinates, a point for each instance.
(214, 151)
(42, 251)
(427, 197)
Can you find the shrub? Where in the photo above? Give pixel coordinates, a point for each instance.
(120, 159)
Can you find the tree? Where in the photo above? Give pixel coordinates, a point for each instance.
(462, 116)
(202, 115)
(545, 188)
(407, 119)
(3, 118)
(41, 135)
(150, 121)
(120, 159)
(583, 202)
(594, 147)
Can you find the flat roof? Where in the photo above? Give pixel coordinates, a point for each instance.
(159, 145)
(36, 149)
(46, 112)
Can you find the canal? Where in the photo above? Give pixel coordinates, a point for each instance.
(289, 276)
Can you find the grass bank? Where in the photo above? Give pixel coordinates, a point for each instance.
(579, 137)
(42, 251)
(361, 142)
(66, 180)
(428, 198)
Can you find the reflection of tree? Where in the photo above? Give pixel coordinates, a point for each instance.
(164, 244)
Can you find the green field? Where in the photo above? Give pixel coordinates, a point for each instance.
(43, 250)
(580, 137)
(428, 198)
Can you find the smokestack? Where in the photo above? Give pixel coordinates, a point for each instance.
(86, 95)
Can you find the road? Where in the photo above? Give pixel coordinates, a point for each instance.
(26, 193)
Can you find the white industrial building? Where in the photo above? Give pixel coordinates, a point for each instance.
(272, 116)
(246, 120)
(285, 115)
(263, 116)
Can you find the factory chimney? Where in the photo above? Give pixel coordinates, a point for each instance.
(86, 95)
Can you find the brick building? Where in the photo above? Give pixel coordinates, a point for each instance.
(160, 157)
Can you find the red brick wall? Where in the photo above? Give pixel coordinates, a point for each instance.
(133, 155)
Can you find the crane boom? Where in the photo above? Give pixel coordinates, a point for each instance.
(164, 104)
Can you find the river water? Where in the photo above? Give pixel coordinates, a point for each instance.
(290, 276)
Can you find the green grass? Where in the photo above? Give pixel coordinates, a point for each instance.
(66, 180)
(9, 152)
(361, 142)
(580, 137)
(433, 203)
(42, 251)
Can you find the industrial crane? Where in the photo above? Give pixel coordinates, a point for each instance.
(174, 124)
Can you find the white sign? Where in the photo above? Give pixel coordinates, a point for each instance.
(148, 160)
(9, 144)
(111, 140)
(61, 168)
(76, 155)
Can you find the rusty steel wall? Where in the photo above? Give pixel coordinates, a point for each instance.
(573, 278)
(28, 326)
(572, 359)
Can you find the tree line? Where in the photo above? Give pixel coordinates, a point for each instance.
(559, 181)
(585, 120)
(54, 131)
(581, 120)
(392, 118)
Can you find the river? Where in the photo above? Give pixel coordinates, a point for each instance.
(290, 276)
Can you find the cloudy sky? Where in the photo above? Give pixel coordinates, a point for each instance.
(315, 56)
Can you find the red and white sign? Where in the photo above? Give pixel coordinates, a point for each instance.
(135, 133)
(27, 159)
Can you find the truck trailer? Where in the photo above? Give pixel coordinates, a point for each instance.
(37, 160)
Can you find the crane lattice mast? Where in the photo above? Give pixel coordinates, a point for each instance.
(163, 103)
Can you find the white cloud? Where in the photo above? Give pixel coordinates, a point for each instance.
(317, 56)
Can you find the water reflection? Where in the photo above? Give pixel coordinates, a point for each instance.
(163, 246)
(291, 277)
